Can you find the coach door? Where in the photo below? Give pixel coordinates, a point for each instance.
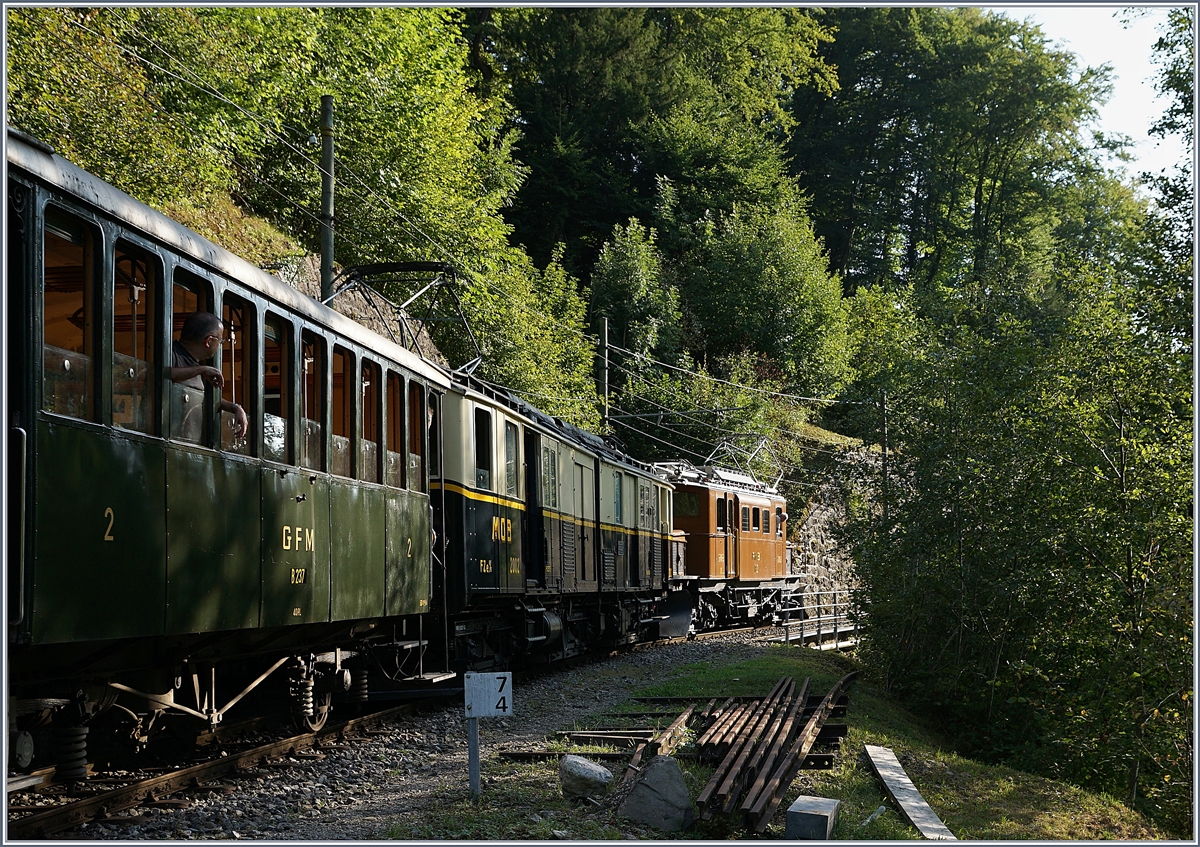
(585, 520)
(533, 527)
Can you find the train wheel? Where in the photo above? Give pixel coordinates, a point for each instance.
(322, 705)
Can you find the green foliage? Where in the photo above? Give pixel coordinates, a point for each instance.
(71, 84)
(629, 290)
(755, 280)
(594, 86)
(932, 163)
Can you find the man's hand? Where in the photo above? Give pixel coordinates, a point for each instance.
(213, 377)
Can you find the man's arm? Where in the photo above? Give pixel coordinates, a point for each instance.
(208, 373)
(241, 424)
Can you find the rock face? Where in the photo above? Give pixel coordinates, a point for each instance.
(659, 797)
(582, 778)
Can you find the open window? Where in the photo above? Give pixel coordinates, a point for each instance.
(368, 443)
(237, 359)
(312, 401)
(417, 423)
(186, 409)
(396, 441)
(277, 386)
(341, 408)
(136, 289)
(68, 304)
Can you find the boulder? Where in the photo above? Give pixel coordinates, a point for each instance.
(582, 778)
(659, 797)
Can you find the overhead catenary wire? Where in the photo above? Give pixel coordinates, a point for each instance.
(780, 394)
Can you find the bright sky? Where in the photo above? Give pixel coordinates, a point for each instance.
(1095, 34)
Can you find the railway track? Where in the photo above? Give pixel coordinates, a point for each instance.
(102, 803)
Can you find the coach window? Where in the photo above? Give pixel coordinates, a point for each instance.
(277, 383)
(368, 444)
(417, 423)
(393, 472)
(483, 449)
(237, 359)
(312, 396)
(435, 444)
(342, 412)
(137, 286)
(189, 293)
(68, 267)
(511, 458)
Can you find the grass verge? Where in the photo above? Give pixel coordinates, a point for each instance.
(522, 801)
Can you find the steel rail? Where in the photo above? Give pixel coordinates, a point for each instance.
(68, 815)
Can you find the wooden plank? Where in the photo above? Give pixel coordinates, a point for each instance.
(901, 789)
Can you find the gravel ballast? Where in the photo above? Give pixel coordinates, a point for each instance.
(413, 767)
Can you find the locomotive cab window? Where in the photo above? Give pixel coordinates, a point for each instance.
(237, 358)
(687, 504)
(745, 518)
(277, 396)
(186, 408)
(754, 518)
(550, 477)
(618, 504)
(511, 458)
(68, 268)
(368, 445)
(137, 286)
(483, 449)
(341, 408)
(312, 401)
(721, 521)
(396, 447)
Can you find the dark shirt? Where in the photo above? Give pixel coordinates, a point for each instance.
(181, 358)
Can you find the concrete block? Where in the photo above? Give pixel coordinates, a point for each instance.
(811, 819)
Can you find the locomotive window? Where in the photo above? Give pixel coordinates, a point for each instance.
(342, 413)
(720, 511)
(277, 383)
(483, 449)
(368, 445)
(754, 519)
(618, 506)
(550, 477)
(687, 504)
(68, 267)
(190, 293)
(766, 518)
(511, 458)
(395, 448)
(745, 518)
(136, 289)
(312, 395)
(417, 423)
(237, 358)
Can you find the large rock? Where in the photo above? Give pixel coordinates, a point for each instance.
(659, 797)
(582, 778)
